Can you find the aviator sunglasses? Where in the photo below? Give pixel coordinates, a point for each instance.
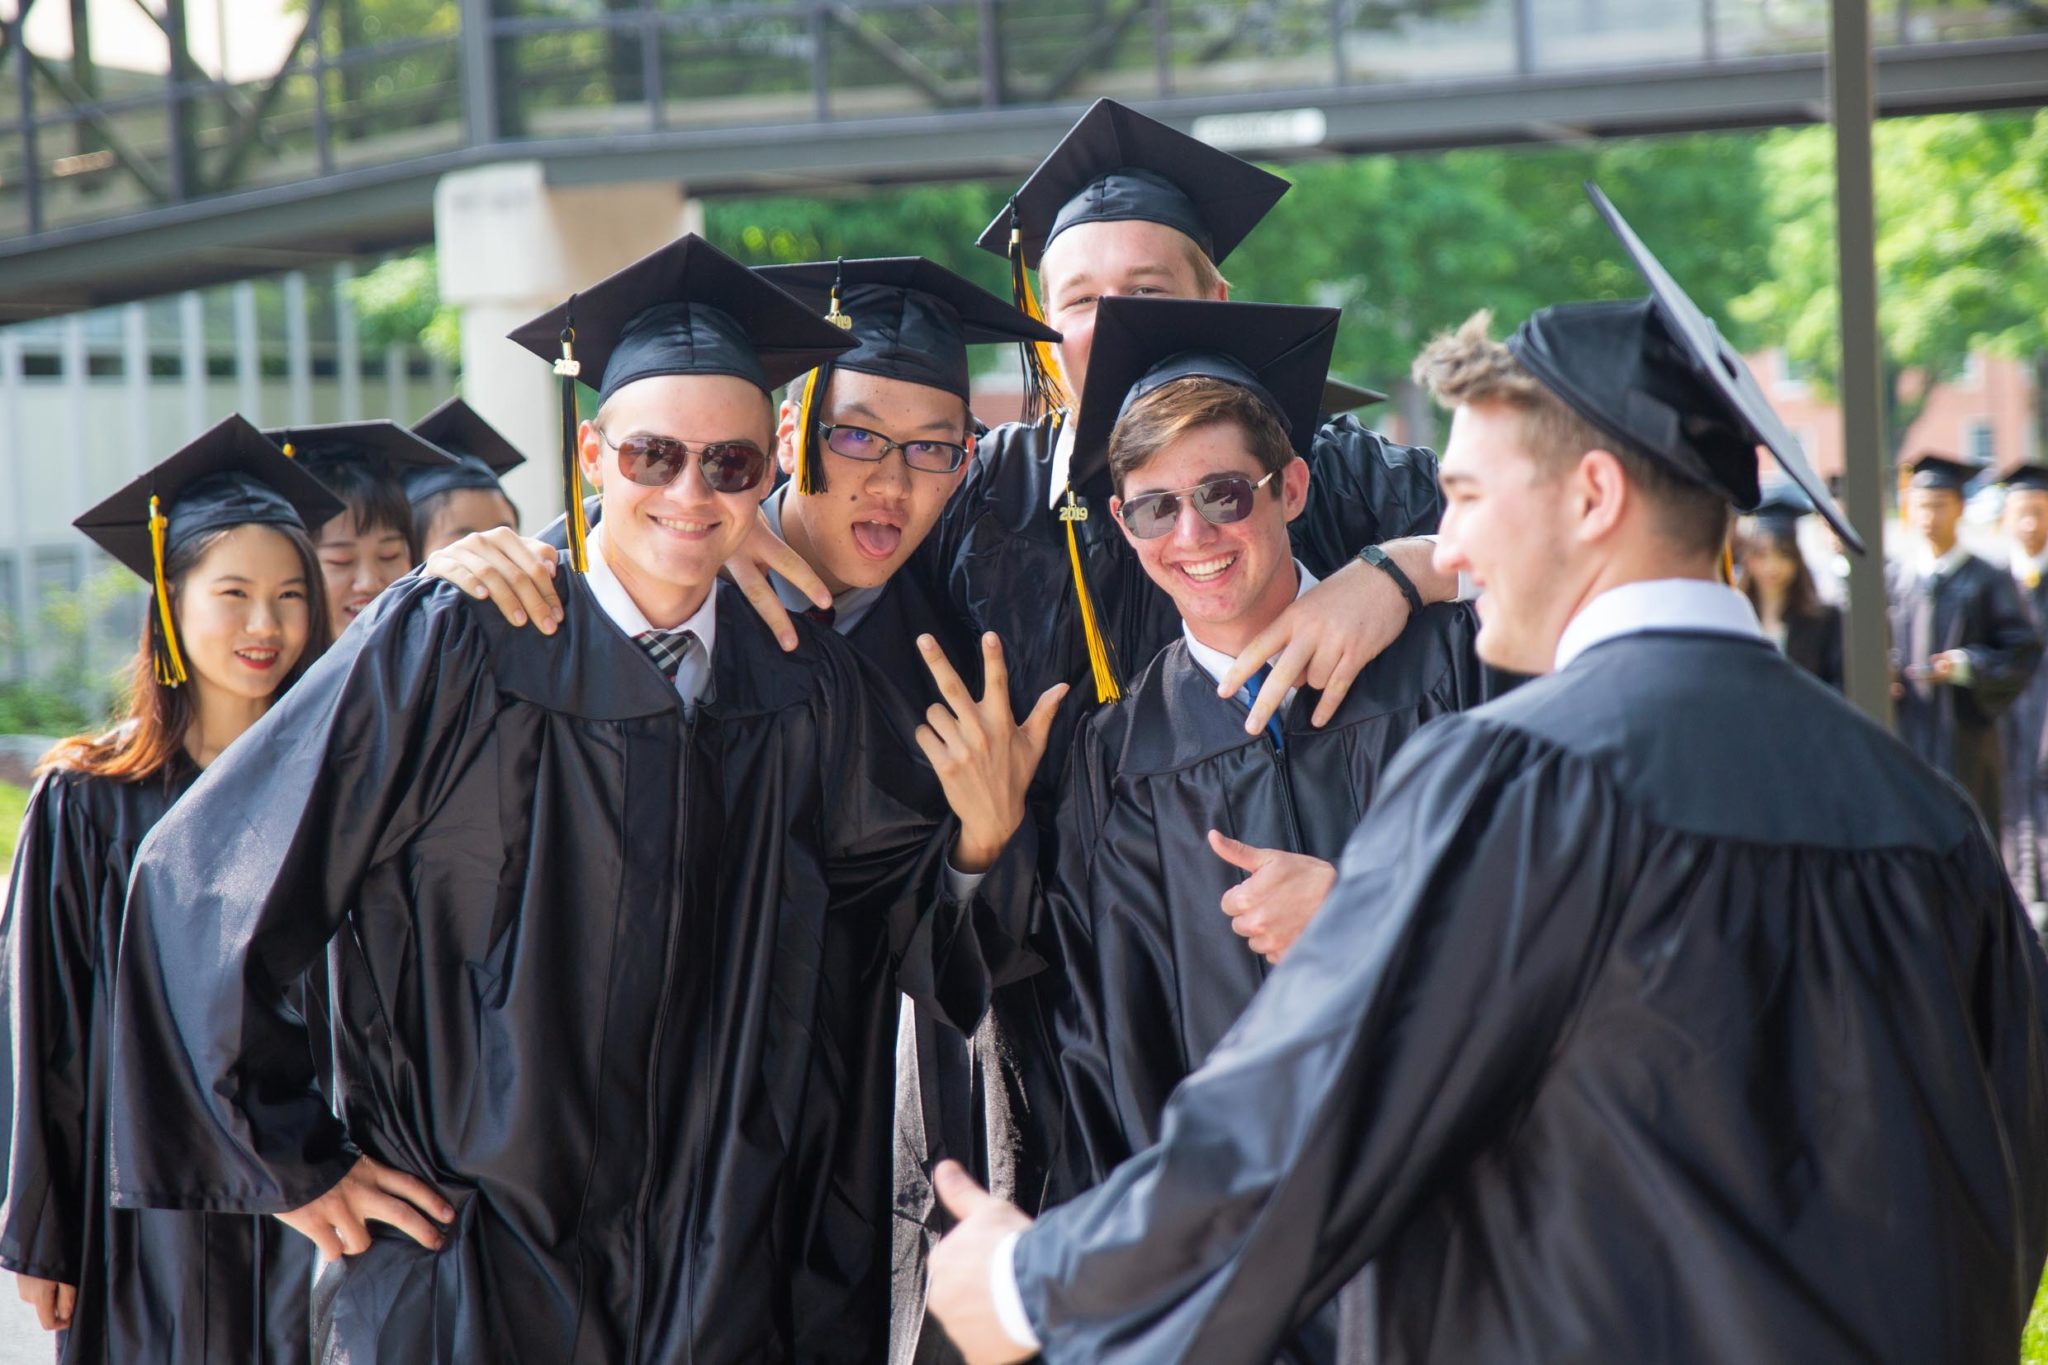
(657, 461)
(1221, 500)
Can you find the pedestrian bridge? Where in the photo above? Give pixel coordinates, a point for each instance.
(116, 184)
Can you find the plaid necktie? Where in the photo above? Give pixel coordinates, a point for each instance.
(667, 648)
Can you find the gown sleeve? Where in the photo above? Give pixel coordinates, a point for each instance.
(2002, 665)
(1363, 490)
(237, 891)
(46, 995)
(1407, 1025)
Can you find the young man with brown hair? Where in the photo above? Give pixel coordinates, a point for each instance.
(1664, 1009)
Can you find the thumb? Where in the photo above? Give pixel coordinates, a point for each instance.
(1239, 854)
(958, 1191)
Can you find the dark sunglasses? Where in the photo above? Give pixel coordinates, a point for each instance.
(1221, 500)
(657, 461)
(858, 443)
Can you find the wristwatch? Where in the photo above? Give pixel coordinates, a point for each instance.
(1384, 562)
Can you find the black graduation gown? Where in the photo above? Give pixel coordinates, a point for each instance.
(1976, 607)
(999, 557)
(1814, 642)
(608, 976)
(152, 1286)
(2024, 811)
(1665, 1009)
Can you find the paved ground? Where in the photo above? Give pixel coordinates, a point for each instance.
(21, 1341)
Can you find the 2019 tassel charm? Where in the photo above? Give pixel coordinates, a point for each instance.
(1101, 659)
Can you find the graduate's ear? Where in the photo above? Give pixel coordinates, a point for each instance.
(785, 438)
(590, 452)
(1294, 478)
(1602, 493)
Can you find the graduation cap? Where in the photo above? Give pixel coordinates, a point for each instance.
(2026, 478)
(910, 319)
(231, 475)
(1781, 508)
(382, 444)
(1657, 374)
(482, 456)
(1342, 396)
(1944, 472)
(1115, 164)
(1279, 353)
(687, 308)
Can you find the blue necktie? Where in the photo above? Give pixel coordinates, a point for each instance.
(1251, 688)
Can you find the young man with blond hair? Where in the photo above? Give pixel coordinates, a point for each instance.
(1665, 1009)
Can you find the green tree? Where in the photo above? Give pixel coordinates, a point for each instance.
(398, 303)
(1962, 249)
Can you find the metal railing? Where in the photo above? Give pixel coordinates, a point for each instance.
(79, 143)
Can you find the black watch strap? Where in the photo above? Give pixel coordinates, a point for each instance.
(1384, 562)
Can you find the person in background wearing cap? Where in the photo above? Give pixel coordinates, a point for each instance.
(606, 908)
(1963, 646)
(234, 619)
(370, 544)
(2023, 730)
(452, 501)
(1665, 1009)
(1189, 853)
(1780, 587)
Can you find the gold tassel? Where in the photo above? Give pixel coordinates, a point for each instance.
(1045, 390)
(1100, 661)
(1728, 562)
(291, 452)
(810, 472)
(170, 665)
(572, 478)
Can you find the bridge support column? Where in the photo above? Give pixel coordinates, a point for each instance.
(510, 247)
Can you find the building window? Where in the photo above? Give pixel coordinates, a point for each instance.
(1980, 443)
(1792, 373)
(1972, 376)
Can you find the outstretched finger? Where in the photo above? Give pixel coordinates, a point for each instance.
(1038, 725)
(1272, 696)
(760, 593)
(776, 555)
(946, 676)
(1253, 656)
(1341, 677)
(995, 677)
(1239, 854)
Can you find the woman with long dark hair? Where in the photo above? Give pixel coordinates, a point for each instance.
(234, 618)
(1779, 584)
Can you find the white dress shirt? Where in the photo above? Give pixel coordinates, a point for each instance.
(1688, 604)
(693, 674)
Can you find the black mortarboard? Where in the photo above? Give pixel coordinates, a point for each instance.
(1117, 164)
(687, 308)
(2027, 478)
(1931, 470)
(382, 444)
(1781, 507)
(481, 454)
(229, 476)
(910, 319)
(1280, 352)
(1342, 396)
(1657, 374)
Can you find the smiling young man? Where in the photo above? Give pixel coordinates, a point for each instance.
(615, 918)
(371, 545)
(1665, 1009)
(1167, 804)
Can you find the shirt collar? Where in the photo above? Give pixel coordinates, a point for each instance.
(847, 608)
(618, 604)
(1682, 604)
(1946, 564)
(2026, 566)
(1215, 662)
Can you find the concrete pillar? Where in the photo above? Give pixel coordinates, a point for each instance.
(511, 247)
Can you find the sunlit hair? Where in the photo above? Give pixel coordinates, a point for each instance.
(1467, 368)
(143, 744)
(1172, 410)
(1209, 280)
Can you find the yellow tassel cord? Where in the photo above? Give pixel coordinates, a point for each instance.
(1728, 562)
(170, 665)
(1100, 661)
(291, 452)
(810, 476)
(1045, 390)
(572, 478)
